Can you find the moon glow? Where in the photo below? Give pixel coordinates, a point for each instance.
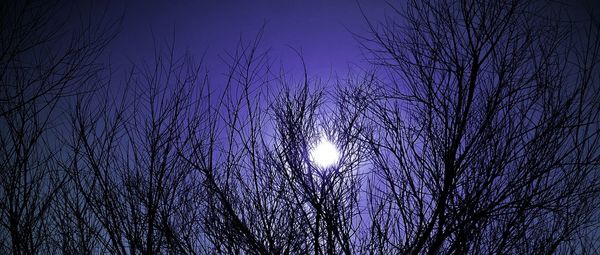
(325, 154)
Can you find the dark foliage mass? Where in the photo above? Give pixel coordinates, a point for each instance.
(477, 132)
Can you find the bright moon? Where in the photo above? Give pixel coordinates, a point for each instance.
(325, 154)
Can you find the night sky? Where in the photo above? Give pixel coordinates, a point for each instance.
(323, 30)
(474, 134)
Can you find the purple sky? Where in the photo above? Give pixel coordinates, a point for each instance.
(320, 28)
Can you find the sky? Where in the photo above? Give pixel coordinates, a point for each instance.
(322, 30)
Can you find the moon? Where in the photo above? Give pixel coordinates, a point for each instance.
(325, 154)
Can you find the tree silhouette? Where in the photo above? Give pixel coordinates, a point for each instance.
(485, 138)
(126, 162)
(42, 64)
(476, 133)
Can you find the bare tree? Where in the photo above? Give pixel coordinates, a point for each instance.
(125, 162)
(264, 194)
(479, 136)
(485, 136)
(42, 63)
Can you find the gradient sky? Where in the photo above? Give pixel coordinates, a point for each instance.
(321, 29)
